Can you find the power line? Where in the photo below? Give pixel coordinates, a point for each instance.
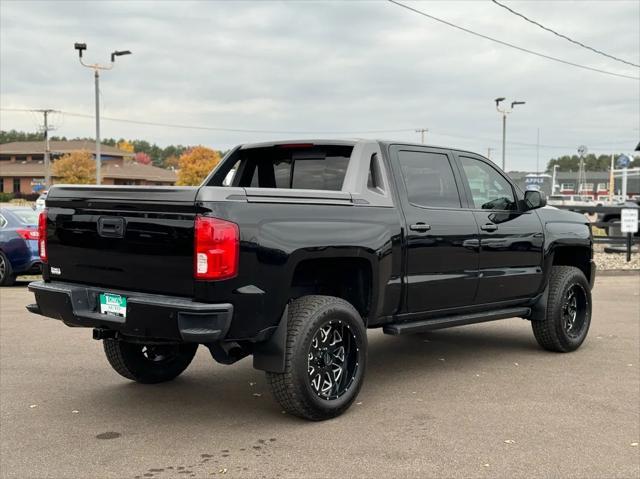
(242, 130)
(595, 50)
(310, 132)
(511, 45)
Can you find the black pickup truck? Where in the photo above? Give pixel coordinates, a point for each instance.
(288, 251)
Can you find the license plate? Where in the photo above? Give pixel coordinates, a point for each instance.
(113, 304)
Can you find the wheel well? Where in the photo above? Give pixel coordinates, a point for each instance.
(346, 278)
(580, 257)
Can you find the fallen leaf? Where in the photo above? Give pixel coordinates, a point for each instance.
(358, 403)
(477, 375)
(223, 471)
(634, 444)
(440, 359)
(509, 441)
(629, 364)
(33, 405)
(75, 411)
(257, 395)
(516, 364)
(485, 465)
(413, 392)
(252, 384)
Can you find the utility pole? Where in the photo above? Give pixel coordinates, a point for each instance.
(422, 131)
(553, 180)
(538, 153)
(505, 112)
(96, 68)
(47, 150)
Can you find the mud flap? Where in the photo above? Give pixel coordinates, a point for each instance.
(270, 354)
(539, 308)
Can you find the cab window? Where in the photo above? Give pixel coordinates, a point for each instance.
(489, 189)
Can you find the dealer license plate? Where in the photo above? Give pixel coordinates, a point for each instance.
(113, 304)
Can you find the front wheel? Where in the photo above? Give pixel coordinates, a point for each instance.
(149, 364)
(568, 314)
(325, 358)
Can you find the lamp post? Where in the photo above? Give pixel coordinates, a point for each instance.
(96, 69)
(505, 112)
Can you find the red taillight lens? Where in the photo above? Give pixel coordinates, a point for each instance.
(28, 234)
(217, 243)
(42, 235)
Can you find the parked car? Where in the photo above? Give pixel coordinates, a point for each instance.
(570, 200)
(312, 243)
(41, 201)
(18, 244)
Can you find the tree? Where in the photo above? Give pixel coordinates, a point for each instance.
(142, 158)
(171, 162)
(77, 167)
(124, 145)
(591, 162)
(195, 164)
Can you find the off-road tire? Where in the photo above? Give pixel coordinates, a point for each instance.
(551, 332)
(132, 362)
(7, 277)
(293, 388)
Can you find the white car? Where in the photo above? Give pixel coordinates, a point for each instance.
(41, 201)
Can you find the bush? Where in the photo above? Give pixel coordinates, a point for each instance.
(5, 197)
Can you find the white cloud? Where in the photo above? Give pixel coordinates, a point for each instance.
(325, 66)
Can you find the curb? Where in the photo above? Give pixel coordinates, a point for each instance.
(617, 272)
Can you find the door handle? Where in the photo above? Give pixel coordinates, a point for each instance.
(489, 227)
(420, 227)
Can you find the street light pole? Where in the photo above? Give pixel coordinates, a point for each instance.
(96, 74)
(505, 112)
(98, 152)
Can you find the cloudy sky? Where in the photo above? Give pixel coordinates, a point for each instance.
(328, 69)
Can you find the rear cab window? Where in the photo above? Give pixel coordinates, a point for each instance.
(296, 166)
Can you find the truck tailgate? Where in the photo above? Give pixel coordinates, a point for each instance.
(135, 238)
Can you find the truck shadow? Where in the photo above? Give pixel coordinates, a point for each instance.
(209, 393)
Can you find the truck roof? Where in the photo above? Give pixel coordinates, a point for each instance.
(346, 142)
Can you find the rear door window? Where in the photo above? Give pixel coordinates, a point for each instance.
(429, 179)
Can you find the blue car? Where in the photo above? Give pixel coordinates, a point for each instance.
(18, 244)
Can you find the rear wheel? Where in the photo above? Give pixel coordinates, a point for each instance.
(7, 277)
(568, 315)
(149, 364)
(325, 358)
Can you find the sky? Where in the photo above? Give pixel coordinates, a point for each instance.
(332, 69)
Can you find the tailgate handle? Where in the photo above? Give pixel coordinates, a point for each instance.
(111, 227)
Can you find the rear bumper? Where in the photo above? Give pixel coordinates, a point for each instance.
(151, 316)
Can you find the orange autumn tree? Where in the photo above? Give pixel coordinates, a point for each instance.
(195, 164)
(77, 167)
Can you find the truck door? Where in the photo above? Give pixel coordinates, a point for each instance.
(441, 236)
(511, 240)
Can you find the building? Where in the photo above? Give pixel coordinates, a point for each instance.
(22, 166)
(596, 183)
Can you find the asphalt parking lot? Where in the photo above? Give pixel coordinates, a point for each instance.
(476, 401)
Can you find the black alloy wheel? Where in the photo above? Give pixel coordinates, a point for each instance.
(333, 360)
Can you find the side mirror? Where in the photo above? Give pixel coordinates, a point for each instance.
(535, 199)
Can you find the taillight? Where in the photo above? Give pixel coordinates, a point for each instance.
(28, 234)
(217, 244)
(42, 235)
